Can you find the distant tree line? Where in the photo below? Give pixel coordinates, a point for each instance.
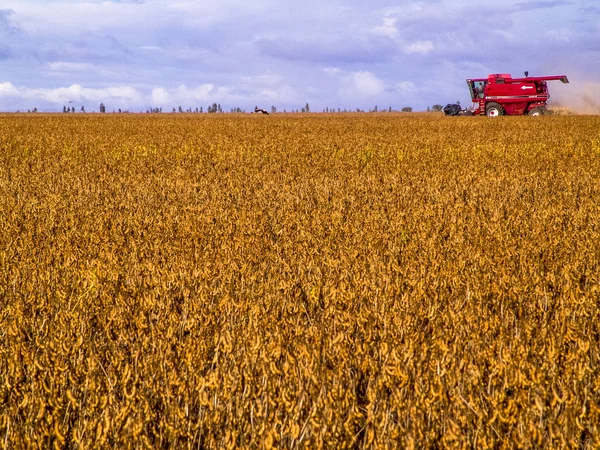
(216, 108)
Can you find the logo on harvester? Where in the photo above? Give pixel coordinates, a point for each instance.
(526, 87)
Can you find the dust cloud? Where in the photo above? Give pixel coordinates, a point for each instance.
(580, 96)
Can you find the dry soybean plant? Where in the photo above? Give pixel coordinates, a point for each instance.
(324, 281)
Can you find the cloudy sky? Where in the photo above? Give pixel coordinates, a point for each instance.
(136, 54)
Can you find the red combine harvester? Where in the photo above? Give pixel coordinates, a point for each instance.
(500, 94)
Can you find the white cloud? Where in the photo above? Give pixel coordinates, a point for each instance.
(284, 94)
(122, 95)
(62, 18)
(419, 47)
(203, 93)
(562, 35)
(69, 17)
(61, 66)
(267, 78)
(388, 28)
(130, 97)
(8, 90)
(362, 85)
(207, 93)
(332, 70)
(366, 83)
(160, 97)
(406, 87)
(184, 95)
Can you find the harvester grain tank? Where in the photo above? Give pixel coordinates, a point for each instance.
(501, 94)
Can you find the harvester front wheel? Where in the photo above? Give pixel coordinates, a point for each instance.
(536, 112)
(493, 109)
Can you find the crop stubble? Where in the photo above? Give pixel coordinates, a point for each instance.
(338, 281)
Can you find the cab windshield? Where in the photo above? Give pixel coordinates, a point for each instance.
(470, 84)
(476, 88)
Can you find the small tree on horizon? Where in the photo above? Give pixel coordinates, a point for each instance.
(102, 108)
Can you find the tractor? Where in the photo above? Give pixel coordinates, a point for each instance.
(500, 94)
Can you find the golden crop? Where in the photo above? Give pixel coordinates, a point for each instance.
(315, 281)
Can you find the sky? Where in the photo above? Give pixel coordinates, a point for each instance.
(348, 54)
